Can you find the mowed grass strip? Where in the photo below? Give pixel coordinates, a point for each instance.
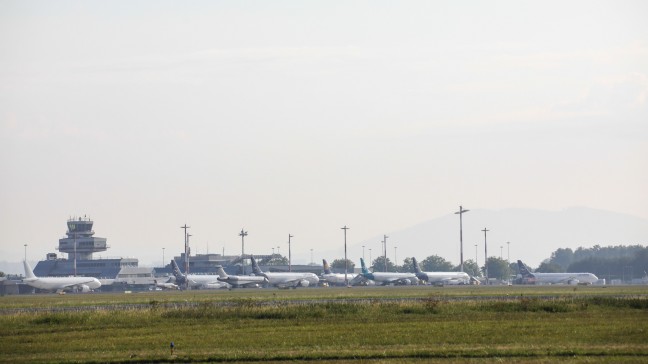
(432, 328)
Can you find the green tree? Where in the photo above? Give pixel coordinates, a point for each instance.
(498, 268)
(562, 257)
(339, 264)
(548, 267)
(379, 265)
(471, 268)
(2, 274)
(435, 263)
(408, 266)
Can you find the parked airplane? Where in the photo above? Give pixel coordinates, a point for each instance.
(337, 278)
(556, 278)
(59, 284)
(440, 277)
(385, 278)
(166, 285)
(207, 281)
(240, 281)
(285, 279)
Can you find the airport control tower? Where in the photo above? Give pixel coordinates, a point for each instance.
(80, 241)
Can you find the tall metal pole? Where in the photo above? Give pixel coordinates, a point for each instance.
(346, 261)
(25, 252)
(243, 234)
(363, 256)
(486, 257)
(289, 254)
(501, 252)
(163, 257)
(476, 256)
(385, 252)
(370, 263)
(461, 212)
(186, 252)
(508, 262)
(311, 256)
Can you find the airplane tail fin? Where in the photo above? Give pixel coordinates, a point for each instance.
(255, 267)
(327, 268)
(417, 268)
(524, 270)
(29, 273)
(180, 278)
(221, 272)
(363, 266)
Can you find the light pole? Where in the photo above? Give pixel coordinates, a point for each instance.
(460, 213)
(162, 257)
(25, 252)
(243, 234)
(186, 252)
(289, 254)
(476, 256)
(501, 250)
(312, 257)
(346, 261)
(486, 256)
(369, 257)
(385, 255)
(508, 261)
(363, 256)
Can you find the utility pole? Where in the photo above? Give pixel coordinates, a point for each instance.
(25, 252)
(289, 254)
(243, 234)
(363, 256)
(486, 256)
(476, 256)
(369, 258)
(346, 261)
(385, 242)
(460, 213)
(163, 257)
(186, 252)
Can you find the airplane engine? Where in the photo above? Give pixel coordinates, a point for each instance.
(304, 283)
(573, 282)
(83, 288)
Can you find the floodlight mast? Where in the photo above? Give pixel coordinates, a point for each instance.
(461, 212)
(486, 256)
(289, 254)
(186, 255)
(346, 261)
(243, 234)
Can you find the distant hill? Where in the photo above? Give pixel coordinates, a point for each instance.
(533, 234)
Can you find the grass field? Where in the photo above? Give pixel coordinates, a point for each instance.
(392, 324)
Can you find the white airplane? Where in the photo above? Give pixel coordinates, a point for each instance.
(240, 281)
(285, 279)
(440, 277)
(59, 284)
(385, 278)
(207, 281)
(166, 285)
(556, 278)
(336, 278)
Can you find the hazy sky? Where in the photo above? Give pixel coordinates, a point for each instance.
(300, 117)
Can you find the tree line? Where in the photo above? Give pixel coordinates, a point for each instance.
(612, 262)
